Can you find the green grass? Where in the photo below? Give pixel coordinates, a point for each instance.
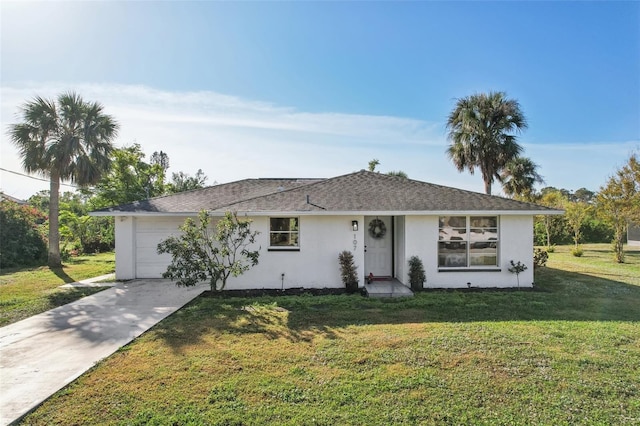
(30, 291)
(567, 353)
(597, 261)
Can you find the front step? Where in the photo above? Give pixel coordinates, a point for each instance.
(382, 289)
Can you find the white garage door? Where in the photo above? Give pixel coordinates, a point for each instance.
(149, 232)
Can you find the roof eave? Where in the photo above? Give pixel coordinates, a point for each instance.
(141, 213)
(341, 213)
(400, 212)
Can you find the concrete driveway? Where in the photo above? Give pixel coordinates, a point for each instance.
(42, 354)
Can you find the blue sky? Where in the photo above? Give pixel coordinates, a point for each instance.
(318, 89)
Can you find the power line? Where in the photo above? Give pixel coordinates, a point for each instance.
(35, 178)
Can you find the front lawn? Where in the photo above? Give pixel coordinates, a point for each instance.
(29, 291)
(567, 353)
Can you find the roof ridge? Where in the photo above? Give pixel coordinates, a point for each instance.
(159, 197)
(322, 181)
(437, 185)
(293, 178)
(275, 192)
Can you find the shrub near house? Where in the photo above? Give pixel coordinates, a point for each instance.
(21, 242)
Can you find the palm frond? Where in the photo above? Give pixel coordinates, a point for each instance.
(519, 177)
(481, 133)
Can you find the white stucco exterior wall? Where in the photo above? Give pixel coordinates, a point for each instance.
(421, 239)
(322, 238)
(516, 232)
(125, 247)
(315, 265)
(516, 243)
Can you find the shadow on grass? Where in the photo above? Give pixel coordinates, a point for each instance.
(14, 269)
(60, 273)
(87, 258)
(559, 296)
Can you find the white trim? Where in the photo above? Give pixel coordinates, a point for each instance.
(284, 248)
(167, 214)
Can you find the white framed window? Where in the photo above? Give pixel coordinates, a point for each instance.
(284, 233)
(468, 242)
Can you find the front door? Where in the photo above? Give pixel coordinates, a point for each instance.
(378, 245)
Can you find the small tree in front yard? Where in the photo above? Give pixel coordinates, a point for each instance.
(517, 268)
(618, 202)
(576, 213)
(210, 253)
(553, 199)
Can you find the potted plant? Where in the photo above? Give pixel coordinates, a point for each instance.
(348, 271)
(417, 277)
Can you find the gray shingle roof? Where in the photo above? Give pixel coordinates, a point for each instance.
(360, 191)
(5, 197)
(211, 198)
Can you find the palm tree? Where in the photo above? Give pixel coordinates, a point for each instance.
(68, 140)
(481, 131)
(519, 177)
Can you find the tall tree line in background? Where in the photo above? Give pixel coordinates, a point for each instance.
(482, 132)
(592, 216)
(70, 139)
(131, 178)
(24, 228)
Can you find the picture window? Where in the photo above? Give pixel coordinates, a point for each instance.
(468, 241)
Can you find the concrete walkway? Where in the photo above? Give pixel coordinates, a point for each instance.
(107, 280)
(42, 354)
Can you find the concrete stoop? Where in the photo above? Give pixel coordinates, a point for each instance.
(391, 288)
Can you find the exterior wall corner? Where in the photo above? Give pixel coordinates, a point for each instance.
(125, 227)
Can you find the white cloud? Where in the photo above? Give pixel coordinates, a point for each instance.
(231, 138)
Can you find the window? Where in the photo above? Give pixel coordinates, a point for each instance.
(468, 241)
(284, 232)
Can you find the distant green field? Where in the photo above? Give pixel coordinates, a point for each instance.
(28, 291)
(566, 353)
